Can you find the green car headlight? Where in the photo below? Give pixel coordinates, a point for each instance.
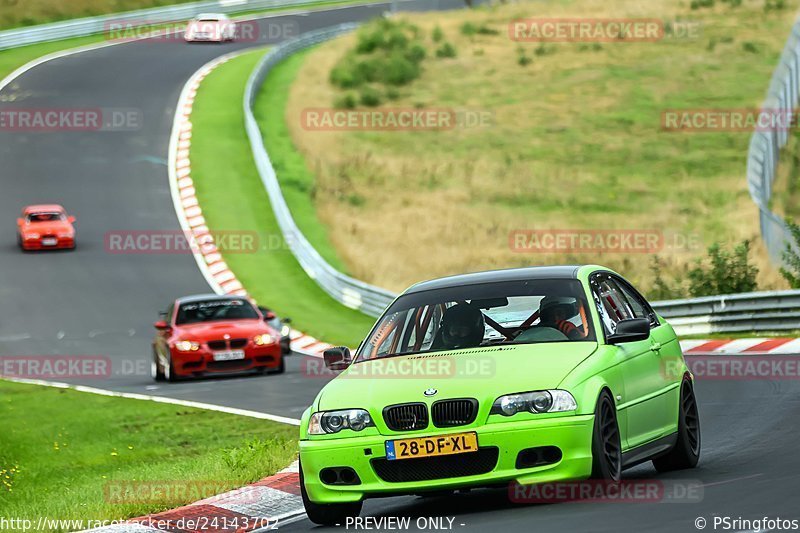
(327, 422)
(545, 401)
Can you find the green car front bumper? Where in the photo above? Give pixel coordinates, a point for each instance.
(571, 434)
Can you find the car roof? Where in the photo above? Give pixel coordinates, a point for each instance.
(43, 208)
(208, 297)
(492, 276)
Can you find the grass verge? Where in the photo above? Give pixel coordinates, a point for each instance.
(233, 198)
(575, 143)
(103, 448)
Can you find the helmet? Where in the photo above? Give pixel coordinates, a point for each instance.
(566, 304)
(462, 326)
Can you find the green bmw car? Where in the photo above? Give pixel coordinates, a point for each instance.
(525, 376)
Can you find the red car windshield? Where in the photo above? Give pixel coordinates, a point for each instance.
(212, 310)
(454, 318)
(45, 217)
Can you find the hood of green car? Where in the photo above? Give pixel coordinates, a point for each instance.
(482, 373)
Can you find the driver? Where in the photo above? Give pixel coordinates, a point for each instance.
(462, 327)
(555, 312)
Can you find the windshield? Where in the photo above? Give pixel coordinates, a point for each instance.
(511, 312)
(45, 217)
(210, 310)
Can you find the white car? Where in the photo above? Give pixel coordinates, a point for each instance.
(210, 27)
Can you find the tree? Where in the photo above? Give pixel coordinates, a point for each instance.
(791, 257)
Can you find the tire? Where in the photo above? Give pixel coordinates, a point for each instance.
(155, 369)
(281, 367)
(686, 451)
(331, 514)
(169, 375)
(606, 445)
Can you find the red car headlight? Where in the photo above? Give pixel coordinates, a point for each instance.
(263, 339)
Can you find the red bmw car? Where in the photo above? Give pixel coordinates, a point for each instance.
(45, 227)
(207, 334)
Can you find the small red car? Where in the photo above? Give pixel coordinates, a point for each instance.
(45, 227)
(206, 334)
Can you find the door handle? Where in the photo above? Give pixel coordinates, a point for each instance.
(656, 346)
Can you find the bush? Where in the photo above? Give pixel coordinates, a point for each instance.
(663, 289)
(345, 101)
(399, 70)
(345, 76)
(791, 257)
(370, 97)
(392, 93)
(469, 29)
(751, 47)
(416, 53)
(524, 60)
(437, 34)
(728, 272)
(697, 4)
(446, 50)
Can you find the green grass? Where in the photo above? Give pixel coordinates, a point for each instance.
(233, 199)
(63, 451)
(296, 178)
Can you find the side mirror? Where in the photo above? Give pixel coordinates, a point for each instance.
(287, 320)
(337, 358)
(71, 219)
(161, 325)
(269, 315)
(630, 330)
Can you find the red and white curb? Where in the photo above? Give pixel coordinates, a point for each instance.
(190, 215)
(261, 506)
(755, 346)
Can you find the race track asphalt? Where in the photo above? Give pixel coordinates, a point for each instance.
(96, 303)
(91, 302)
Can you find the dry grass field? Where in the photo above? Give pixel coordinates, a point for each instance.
(575, 143)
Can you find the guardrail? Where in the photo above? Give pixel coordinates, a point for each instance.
(765, 146)
(760, 311)
(754, 311)
(158, 15)
(346, 290)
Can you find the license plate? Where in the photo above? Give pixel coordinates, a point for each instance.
(231, 355)
(49, 242)
(431, 446)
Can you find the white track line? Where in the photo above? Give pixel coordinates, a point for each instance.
(159, 399)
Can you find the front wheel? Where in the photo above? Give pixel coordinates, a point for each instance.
(155, 369)
(606, 446)
(327, 514)
(281, 367)
(686, 451)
